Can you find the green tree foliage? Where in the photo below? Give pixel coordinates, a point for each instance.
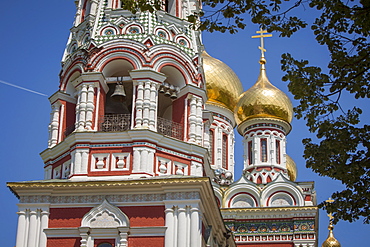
(341, 149)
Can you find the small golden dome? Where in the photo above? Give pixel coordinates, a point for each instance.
(292, 168)
(223, 85)
(263, 100)
(331, 241)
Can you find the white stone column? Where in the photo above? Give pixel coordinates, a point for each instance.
(150, 167)
(81, 108)
(195, 227)
(54, 124)
(136, 159)
(199, 121)
(217, 136)
(144, 160)
(44, 225)
(84, 234)
(169, 234)
(192, 119)
(84, 160)
(77, 162)
(146, 104)
(230, 152)
(21, 230)
(139, 104)
(182, 228)
(206, 140)
(32, 229)
(153, 106)
(196, 169)
(123, 236)
(90, 106)
(47, 172)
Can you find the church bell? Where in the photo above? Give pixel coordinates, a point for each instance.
(119, 93)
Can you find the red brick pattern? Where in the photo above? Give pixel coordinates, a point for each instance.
(146, 241)
(63, 242)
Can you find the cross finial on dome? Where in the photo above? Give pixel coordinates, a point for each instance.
(330, 215)
(262, 34)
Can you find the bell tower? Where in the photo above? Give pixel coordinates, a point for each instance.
(131, 95)
(126, 162)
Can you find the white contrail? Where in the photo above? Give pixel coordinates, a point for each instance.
(25, 89)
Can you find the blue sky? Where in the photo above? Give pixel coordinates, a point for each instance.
(34, 35)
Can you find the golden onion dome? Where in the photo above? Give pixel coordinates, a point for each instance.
(331, 241)
(263, 100)
(292, 168)
(223, 85)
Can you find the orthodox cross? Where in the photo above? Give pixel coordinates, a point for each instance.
(330, 214)
(262, 34)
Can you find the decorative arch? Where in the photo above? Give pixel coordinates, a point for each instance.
(242, 200)
(69, 88)
(275, 190)
(105, 215)
(242, 188)
(68, 75)
(280, 199)
(174, 75)
(163, 33)
(105, 221)
(135, 28)
(114, 51)
(117, 66)
(183, 41)
(109, 30)
(162, 57)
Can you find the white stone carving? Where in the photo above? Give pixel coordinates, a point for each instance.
(180, 168)
(163, 166)
(104, 219)
(105, 215)
(120, 161)
(57, 172)
(66, 169)
(100, 162)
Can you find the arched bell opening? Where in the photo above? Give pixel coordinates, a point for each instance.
(170, 111)
(70, 106)
(118, 99)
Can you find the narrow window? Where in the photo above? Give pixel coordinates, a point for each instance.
(224, 151)
(250, 152)
(264, 150)
(277, 147)
(211, 145)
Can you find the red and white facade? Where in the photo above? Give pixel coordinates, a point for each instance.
(138, 171)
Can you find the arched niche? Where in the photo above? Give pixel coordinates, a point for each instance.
(174, 76)
(243, 200)
(168, 95)
(282, 191)
(118, 71)
(281, 199)
(117, 67)
(70, 89)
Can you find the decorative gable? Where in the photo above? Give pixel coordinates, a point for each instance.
(105, 215)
